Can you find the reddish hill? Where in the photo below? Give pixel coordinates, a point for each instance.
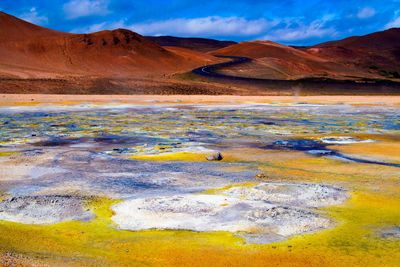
(260, 49)
(27, 50)
(272, 60)
(40, 60)
(389, 39)
(377, 52)
(14, 29)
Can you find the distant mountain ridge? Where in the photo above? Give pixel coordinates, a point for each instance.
(378, 52)
(387, 39)
(373, 56)
(198, 44)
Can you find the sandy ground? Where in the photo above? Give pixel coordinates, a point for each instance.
(27, 99)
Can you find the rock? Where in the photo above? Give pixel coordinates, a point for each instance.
(261, 176)
(217, 156)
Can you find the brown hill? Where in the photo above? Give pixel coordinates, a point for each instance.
(14, 29)
(27, 51)
(198, 44)
(276, 61)
(261, 49)
(40, 60)
(386, 40)
(377, 52)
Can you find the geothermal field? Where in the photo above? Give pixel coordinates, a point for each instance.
(200, 133)
(171, 182)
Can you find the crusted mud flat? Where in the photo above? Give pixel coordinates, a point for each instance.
(267, 212)
(162, 183)
(297, 195)
(43, 209)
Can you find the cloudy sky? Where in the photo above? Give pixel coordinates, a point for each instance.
(297, 22)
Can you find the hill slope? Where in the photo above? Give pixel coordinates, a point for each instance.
(377, 52)
(14, 29)
(27, 51)
(276, 61)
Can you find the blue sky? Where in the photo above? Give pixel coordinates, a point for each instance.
(296, 22)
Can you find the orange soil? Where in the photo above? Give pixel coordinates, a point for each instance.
(34, 99)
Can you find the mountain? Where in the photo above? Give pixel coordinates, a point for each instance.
(30, 51)
(14, 29)
(198, 44)
(386, 40)
(34, 59)
(373, 56)
(377, 52)
(275, 61)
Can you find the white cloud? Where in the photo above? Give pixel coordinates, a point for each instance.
(33, 16)
(206, 26)
(285, 30)
(83, 8)
(300, 31)
(395, 23)
(366, 12)
(100, 27)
